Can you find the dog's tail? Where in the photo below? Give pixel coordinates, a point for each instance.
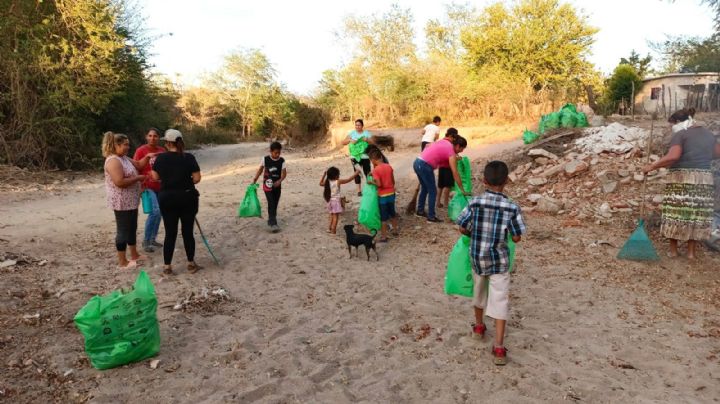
(373, 232)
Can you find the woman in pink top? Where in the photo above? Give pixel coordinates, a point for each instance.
(439, 154)
(122, 184)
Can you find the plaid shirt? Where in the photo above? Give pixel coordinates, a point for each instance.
(490, 217)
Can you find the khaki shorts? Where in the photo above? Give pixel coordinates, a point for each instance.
(496, 301)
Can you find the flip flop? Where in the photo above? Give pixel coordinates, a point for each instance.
(140, 258)
(130, 265)
(192, 268)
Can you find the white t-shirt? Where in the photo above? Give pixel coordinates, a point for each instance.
(431, 130)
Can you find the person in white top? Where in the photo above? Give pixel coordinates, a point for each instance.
(430, 133)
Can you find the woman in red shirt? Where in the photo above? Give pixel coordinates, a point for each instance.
(152, 224)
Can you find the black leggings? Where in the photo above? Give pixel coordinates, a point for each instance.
(126, 224)
(365, 164)
(273, 200)
(178, 206)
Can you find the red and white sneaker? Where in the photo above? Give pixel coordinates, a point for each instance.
(478, 331)
(500, 354)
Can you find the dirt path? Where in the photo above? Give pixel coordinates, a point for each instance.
(305, 323)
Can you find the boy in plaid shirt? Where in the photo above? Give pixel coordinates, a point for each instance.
(488, 219)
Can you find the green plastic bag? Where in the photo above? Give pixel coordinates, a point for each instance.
(511, 252)
(357, 149)
(552, 121)
(460, 201)
(250, 206)
(568, 109)
(459, 275)
(530, 137)
(121, 327)
(369, 210)
(568, 120)
(582, 121)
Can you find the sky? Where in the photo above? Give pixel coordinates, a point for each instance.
(299, 37)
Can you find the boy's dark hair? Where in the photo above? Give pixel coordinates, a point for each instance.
(452, 132)
(361, 122)
(436, 119)
(496, 173)
(459, 141)
(275, 146)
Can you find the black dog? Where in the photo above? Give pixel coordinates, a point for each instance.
(356, 240)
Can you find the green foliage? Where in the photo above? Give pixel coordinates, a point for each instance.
(641, 65)
(620, 85)
(69, 70)
(690, 54)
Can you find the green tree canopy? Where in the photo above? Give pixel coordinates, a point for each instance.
(620, 84)
(641, 65)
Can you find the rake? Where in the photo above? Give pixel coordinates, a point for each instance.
(207, 245)
(639, 247)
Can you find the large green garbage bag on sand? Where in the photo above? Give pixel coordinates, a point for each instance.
(582, 121)
(459, 275)
(530, 137)
(568, 120)
(250, 205)
(551, 121)
(459, 201)
(121, 327)
(369, 210)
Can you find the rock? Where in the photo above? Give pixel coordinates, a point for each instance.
(654, 157)
(154, 363)
(548, 205)
(537, 181)
(595, 160)
(574, 168)
(7, 263)
(542, 161)
(626, 180)
(553, 171)
(513, 177)
(534, 198)
(657, 199)
(624, 173)
(537, 171)
(542, 153)
(609, 187)
(638, 177)
(597, 120)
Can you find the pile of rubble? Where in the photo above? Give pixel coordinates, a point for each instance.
(597, 176)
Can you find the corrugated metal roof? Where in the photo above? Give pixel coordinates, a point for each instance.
(682, 75)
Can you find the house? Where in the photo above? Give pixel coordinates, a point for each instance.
(671, 92)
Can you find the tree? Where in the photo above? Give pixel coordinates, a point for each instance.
(443, 36)
(641, 65)
(620, 84)
(690, 54)
(542, 39)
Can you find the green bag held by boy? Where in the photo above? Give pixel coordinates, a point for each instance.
(369, 210)
(459, 275)
(121, 327)
(460, 201)
(250, 206)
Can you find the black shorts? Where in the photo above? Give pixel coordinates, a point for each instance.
(445, 178)
(423, 145)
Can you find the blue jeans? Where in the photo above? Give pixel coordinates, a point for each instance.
(428, 189)
(152, 224)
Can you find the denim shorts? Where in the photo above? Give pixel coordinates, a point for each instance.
(387, 207)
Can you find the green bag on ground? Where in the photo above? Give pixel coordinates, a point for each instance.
(250, 205)
(552, 121)
(357, 149)
(568, 109)
(582, 121)
(456, 205)
(121, 327)
(568, 120)
(369, 210)
(530, 137)
(459, 275)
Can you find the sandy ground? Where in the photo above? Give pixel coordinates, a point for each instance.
(303, 323)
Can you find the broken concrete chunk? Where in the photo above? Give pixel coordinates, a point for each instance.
(537, 181)
(542, 153)
(534, 198)
(658, 199)
(624, 173)
(547, 205)
(609, 187)
(639, 177)
(576, 167)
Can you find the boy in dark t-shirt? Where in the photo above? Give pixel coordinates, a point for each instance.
(272, 167)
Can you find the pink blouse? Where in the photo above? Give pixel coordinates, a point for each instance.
(122, 198)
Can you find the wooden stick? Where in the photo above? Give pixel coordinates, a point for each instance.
(647, 160)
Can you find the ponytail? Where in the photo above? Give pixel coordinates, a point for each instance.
(326, 192)
(109, 141)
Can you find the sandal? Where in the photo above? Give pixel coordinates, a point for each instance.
(478, 331)
(168, 271)
(193, 267)
(140, 258)
(130, 265)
